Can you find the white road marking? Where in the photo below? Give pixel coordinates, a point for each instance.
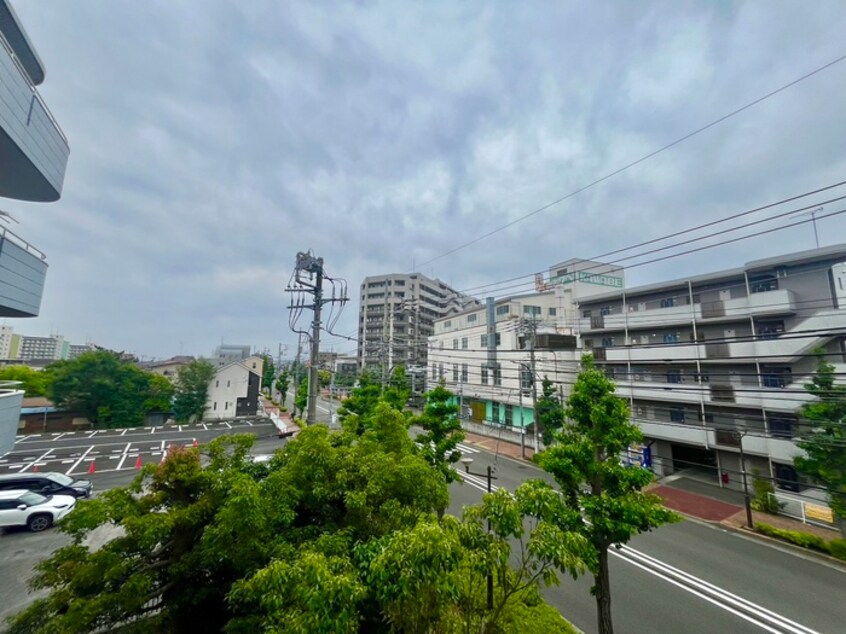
(204, 427)
(180, 428)
(75, 464)
(41, 457)
(228, 425)
(152, 430)
(125, 451)
(124, 432)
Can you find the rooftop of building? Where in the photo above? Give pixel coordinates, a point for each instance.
(754, 266)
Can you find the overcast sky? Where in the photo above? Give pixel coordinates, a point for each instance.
(211, 141)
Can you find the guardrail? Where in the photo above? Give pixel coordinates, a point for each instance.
(809, 512)
(7, 387)
(26, 246)
(35, 94)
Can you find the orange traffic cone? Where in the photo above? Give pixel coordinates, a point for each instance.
(195, 443)
(91, 467)
(138, 463)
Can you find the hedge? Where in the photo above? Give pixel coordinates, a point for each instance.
(834, 547)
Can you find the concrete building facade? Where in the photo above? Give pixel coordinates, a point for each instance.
(233, 392)
(711, 361)
(225, 354)
(33, 157)
(483, 354)
(397, 314)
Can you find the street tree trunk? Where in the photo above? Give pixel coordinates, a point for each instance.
(602, 589)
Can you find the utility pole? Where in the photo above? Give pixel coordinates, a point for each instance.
(532, 329)
(747, 502)
(308, 279)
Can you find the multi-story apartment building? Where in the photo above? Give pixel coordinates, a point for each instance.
(33, 157)
(714, 360)
(234, 390)
(75, 350)
(28, 348)
(225, 354)
(396, 316)
(483, 353)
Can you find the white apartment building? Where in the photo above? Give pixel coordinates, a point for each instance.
(396, 316)
(234, 391)
(483, 354)
(706, 358)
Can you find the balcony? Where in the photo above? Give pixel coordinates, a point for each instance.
(22, 272)
(654, 391)
(768, 303)
(777, 302)
(33, 150)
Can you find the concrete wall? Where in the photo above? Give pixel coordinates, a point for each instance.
(10, 413)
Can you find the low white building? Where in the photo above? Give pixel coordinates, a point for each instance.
(234, 391)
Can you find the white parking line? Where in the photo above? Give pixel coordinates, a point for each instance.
(41, 457)
(92, 434)
(125, 451)
(204, 427)
(152, 430)
(228, 425)
(124, 432)
(75, 464)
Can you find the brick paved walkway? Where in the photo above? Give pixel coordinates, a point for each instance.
(696, 505)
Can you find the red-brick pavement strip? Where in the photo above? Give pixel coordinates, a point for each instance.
(502, 447)
(696, 505)
(691, 504)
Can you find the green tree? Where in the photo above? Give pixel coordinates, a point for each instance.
(357, 409)
(824, 440)
(192, 390)
(584, 459)
(397, 391)
(34, 382)
(441, 432)
(268, 373)
(301, 398)
(282, 384)
(109, 391)
(324, 378)
(550, 411)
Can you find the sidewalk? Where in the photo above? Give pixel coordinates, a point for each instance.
(502, 447)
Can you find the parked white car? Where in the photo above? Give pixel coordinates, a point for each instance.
(36, 512)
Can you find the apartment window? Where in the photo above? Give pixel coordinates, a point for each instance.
(605, 310)
(440, 345)
(781, 426)
(674, 376)
(677, 414)
(217, 383)
(671, 337)
(525, 376)
(763, 284)
(448, 323)
(588, 343)
(587, 313)
(228, 383)
(455, 373)
(215, 406)
(769, 329)
(532, 310)
(497, 339)
(553, 312)
(776, 377)
(455, 344)
(668, 302)
(399, 282)
(471, 318)
(495, 411)
(464, 373)
(483, 341)
(502, 310)
(441, 372)
(226, 405)
(434, 372)
(484, 374)
(464, 343)
(497, 375)
(607, 342)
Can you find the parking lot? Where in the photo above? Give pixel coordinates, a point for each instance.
(84, 453)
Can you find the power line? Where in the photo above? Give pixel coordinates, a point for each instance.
(635, 162)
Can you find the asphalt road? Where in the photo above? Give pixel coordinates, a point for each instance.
(692, 578)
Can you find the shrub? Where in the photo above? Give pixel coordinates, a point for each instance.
(283, 409)
(765, 499)
(805, 540)
(837, 548)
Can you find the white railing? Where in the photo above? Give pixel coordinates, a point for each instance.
(815, 512)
